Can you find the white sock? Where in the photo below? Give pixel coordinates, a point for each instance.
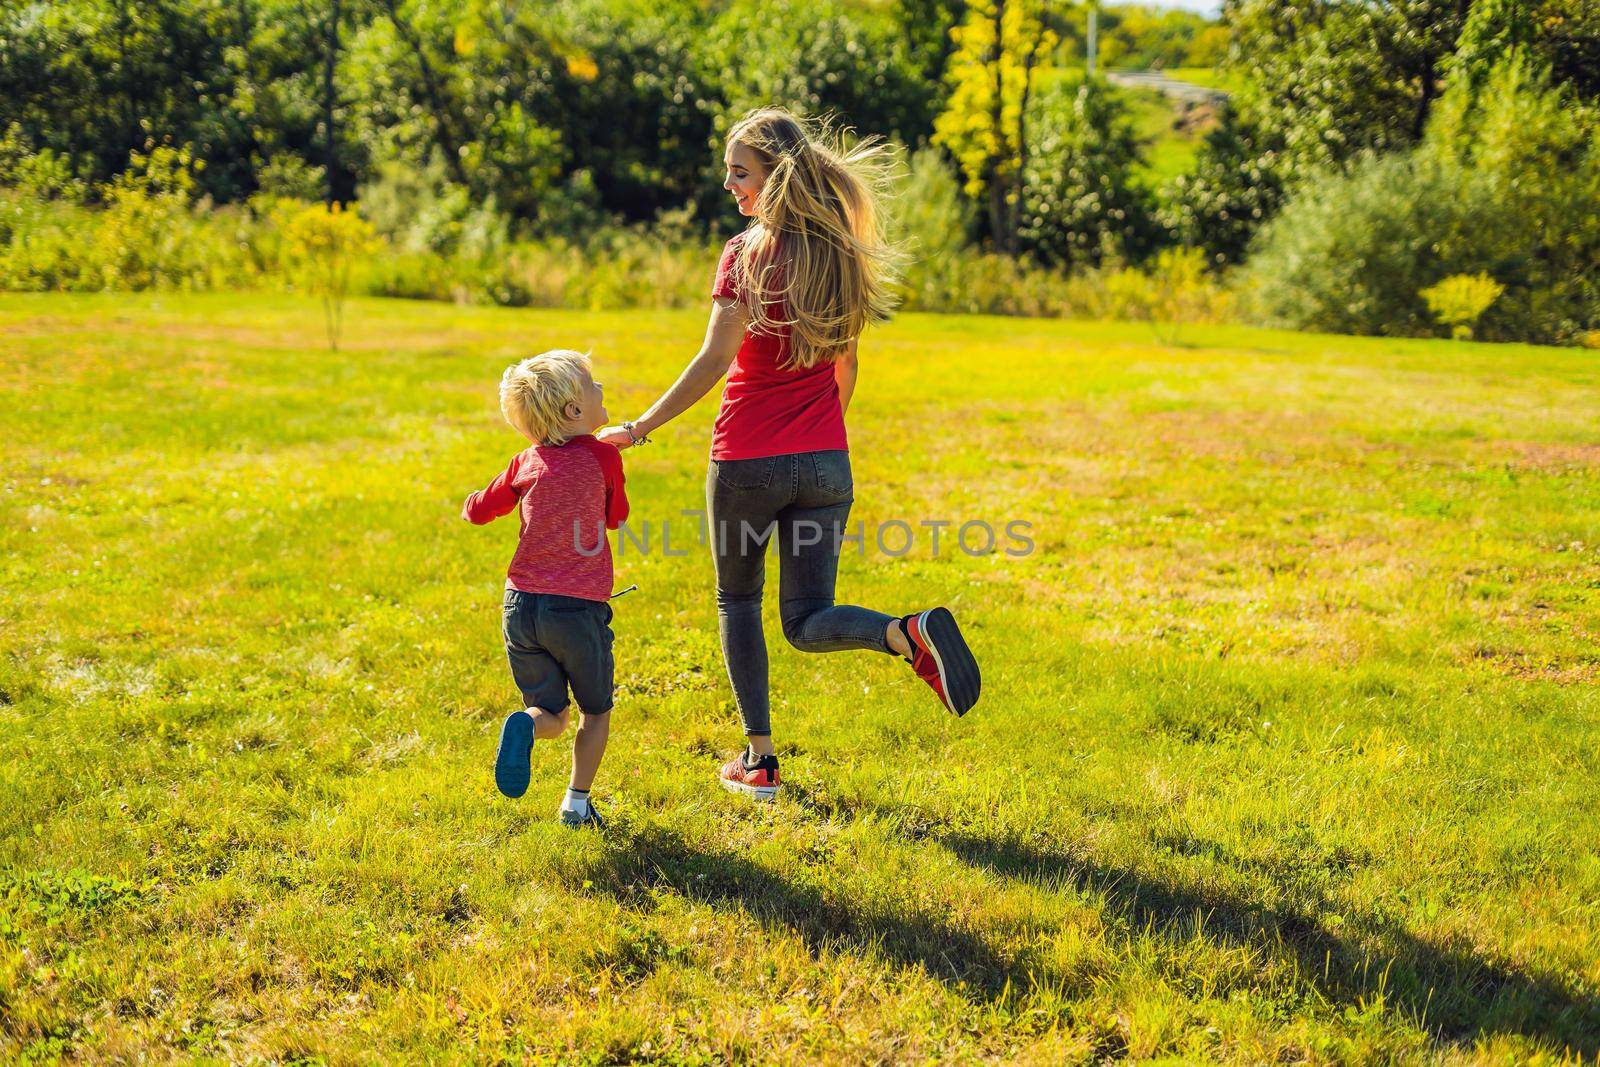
(576, 801)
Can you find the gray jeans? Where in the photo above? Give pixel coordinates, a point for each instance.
(801, 501)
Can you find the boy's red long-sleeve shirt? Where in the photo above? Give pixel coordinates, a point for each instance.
(569, 495)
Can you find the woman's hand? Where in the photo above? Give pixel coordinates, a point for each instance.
(614, 435)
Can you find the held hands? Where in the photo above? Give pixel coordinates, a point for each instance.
(614, 435)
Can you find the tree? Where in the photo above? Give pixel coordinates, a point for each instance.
(1081, 202)
(926, 26)
(322, 244)
(1000, 49)
(1238, 183)
(1325, 82)
(1503, 185)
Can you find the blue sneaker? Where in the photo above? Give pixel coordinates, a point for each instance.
(511, 758)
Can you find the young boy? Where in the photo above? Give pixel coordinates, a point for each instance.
(568, 491)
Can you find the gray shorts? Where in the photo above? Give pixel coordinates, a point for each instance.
(554, 642)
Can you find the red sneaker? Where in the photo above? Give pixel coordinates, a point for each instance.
(758, 779)
(940, 656)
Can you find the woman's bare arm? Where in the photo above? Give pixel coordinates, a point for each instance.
(844, 373)
(724, 332)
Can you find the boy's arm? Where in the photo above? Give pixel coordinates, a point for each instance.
(616, 489)
(498, 498)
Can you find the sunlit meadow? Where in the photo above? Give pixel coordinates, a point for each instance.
(1289, 748)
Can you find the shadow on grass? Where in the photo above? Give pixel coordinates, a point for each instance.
(1456, 994)
(655, 857)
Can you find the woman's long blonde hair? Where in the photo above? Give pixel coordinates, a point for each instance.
(820, 257)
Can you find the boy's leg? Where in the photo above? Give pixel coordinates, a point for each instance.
(578, 633)
(589, 748)
(548, 724)
(544, 695)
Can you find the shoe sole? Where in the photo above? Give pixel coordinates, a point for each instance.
(759, 792)
(958, 668)
(511, 770)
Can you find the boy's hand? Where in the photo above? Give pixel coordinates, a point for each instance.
(614, 435)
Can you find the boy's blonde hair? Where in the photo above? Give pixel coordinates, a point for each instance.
(535, 392)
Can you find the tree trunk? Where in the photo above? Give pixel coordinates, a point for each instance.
(1425, 101)
(327, 97)
(1014, 224)
(1003, 242)
(442, 122)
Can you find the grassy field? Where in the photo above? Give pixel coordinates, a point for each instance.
(1168, 149)
(1288, 749)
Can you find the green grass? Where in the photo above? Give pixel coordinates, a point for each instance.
(1166, 150)
(1287, 750)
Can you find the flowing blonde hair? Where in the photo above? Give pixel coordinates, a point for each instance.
(820, 256)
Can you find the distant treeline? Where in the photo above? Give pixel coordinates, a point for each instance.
(464, 126)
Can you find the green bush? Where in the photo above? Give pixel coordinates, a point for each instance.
(440, 247)
(1350, 253)
(931, 220)
(617, 269)
(44, 175)
(1236, 185)
(323, 244)
(419, 209)
(1505, 185)
(1173, 289)
(148, 235)
(1081, 204)
(1460, 301)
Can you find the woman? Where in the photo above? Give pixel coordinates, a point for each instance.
(792, 293)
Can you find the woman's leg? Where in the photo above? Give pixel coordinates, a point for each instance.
(740, 512)
(811, 535)
(810, 539)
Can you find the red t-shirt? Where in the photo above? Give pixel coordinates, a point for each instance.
(569, 495)
(767, 410)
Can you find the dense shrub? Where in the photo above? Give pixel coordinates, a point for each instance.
(617, 269)
(1081, 202)
(1236, 185)
(438, 244)
(931, 220)
(148, 235)
(1505, 185)
(1171, 290)
(1351, 253)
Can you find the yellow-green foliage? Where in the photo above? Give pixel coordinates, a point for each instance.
(984, 147)
(1286, 752)
(1460, 300)
(148, 234)
(321, 245)
(1175, 289)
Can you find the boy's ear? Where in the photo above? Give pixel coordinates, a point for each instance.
(572, 411)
